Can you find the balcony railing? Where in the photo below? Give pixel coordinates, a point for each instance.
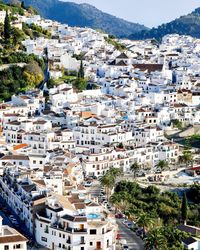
(76, 230)
(69, 229)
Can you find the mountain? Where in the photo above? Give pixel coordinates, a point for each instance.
(185, 25)
(84, 15)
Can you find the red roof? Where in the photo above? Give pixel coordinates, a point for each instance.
(197, 168)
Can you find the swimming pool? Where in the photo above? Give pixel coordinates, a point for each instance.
(93, 216)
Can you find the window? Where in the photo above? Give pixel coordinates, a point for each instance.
(44, 239)
(34, 162)
(6, 247)
(93, 231)
(82, 248)
(91, 243)
(18, 246)
(40, 224)
(40, 162)
(46, 230)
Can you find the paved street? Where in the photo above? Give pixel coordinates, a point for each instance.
(133, 241)
(95, 189)
(6, 221)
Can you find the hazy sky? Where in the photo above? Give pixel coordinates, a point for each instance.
(148, 12)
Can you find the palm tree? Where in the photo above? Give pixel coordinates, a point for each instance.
(163, 165)
(155, 240)
(121, 201)
(186, 158)
(144, 221)
(116, 172)
(115, 200)
(108, 181)
(135, 167)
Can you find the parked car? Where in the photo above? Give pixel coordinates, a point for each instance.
(158, 171)
(140, 232)
(125, 247)
(88, 184)
(150, 178)
(118, 237)
(129, 224)
(124, 222)
(123, 242)
(119, 216)
(140, 174)
(14, 221)
(102, 193)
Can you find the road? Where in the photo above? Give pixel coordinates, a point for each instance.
(133, 241)
(7, 66)
(6, 221)
(95, 189)
(46, 74)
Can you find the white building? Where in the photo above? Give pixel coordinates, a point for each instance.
(11, 239)
(64, 224)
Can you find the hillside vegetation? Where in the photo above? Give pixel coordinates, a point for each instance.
(185, 25)
(18, 70)
(84, 15)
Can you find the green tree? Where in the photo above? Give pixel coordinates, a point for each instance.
(184, 209)
(177, 124)
(33, 74)
(144, 221)
(121, 201)
(194, 193)
(156, 240)
(174, 237)
(116, 172)
(186, 158)
(135, 167)
(108, 181)
(23, 5)
(80, 84)
(81, 73)
(17, 36)
(163, 165)
(7, 27)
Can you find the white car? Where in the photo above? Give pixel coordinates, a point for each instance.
(88, 184)
(123, 241)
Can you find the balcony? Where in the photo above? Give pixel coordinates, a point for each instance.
(68, 241)
(76, 230)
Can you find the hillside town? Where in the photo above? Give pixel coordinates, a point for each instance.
(57, 142)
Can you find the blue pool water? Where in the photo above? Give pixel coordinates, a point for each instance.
(93, 216)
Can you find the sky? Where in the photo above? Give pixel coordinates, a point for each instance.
(148, 12)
